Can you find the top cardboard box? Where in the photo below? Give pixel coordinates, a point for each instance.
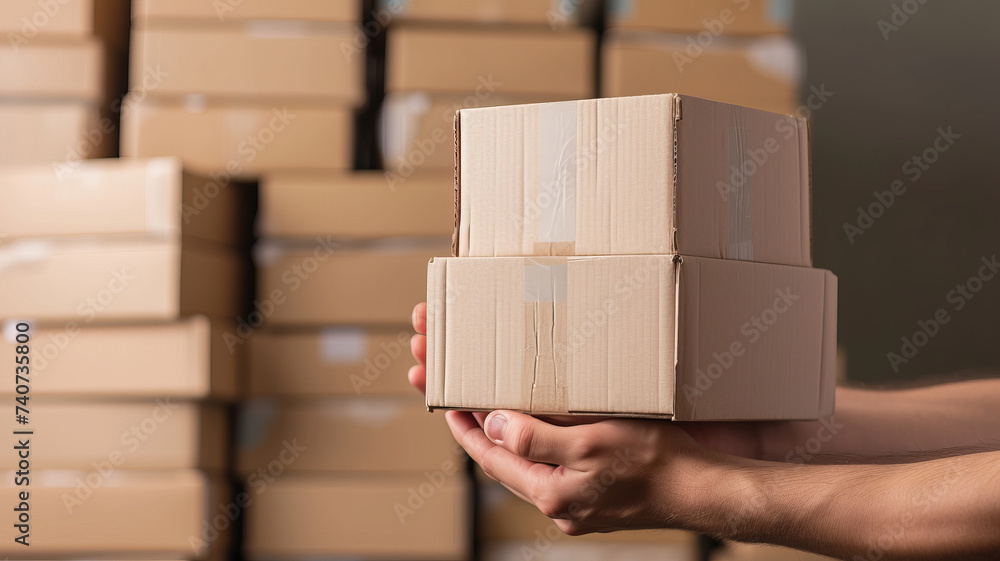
(239, 10)
(729, 17)
(153, 197)
(652, 174)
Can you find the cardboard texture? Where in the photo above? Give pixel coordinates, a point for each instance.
(147, 514)
(372, 517)
(257, 60)
(364, 205)
(49, 131)
(188, 359)
(751, 17)
(120, 196)
(156, 434)
(524, 12)
(651, 336)
(57, 70)
(330, 361)
(638, 175)
(239, 140)
(24, 21)
(215, 12)
(383, 434)
(323, 283)
(466, 61)
(119, 279)
(763, 73)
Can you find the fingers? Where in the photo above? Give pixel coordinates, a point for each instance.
(419, 318)
(534, 439)
(418, 347)
(518, 474)
(418, 377)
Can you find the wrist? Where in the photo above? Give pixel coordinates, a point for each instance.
(714, 493)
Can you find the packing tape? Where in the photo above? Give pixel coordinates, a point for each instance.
(24, 251)
(545, 295)
(340, 345)
(160, 174)
(776, 57)
(556, 198)
(740, 203)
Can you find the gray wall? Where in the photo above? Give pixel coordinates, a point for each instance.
(940, 69)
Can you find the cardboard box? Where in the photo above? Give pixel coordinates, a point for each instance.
(323, 283)
(716, 17)
(367, 205)
(146, 514)
(423, 516)
(523, 12)
(683, 338)
(160, 434)
(240, 140)
(642, 175)
(24, 21)
(63, 70)
(119, 279)
(119, 196)
(188, 359)
(195, 10)
(372, 434)
(331, 361)
(763, 73)
(256, 60)
(487, 60)
(50, 131)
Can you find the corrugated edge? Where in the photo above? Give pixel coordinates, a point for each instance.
(458, 183)
(435, 366)
(805, 179)
(677, 115)
(688, 330)
(828, 364)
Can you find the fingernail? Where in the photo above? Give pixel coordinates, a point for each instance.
(495, 427)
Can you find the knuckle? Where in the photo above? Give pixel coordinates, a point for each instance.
(522, 442)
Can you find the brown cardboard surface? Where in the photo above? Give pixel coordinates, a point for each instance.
(373, 517)
(763, 73)
(188, 359)
(127, 513)
(330, 361)
(63, 70)
(240, 140)
(208, 12)
(120, 196)
(752, 17)
(156, 434)
(526, 12)
(24, 21)
(651, 336)
(464, 61)
(371, 434)
(119, 279)
(370, 204)
(322, 283)
(257, 60)
(637, 175)
(49, 131)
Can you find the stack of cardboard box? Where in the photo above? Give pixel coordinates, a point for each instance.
(236, 88)
(735, 51)
(115, 280)
(351, 462)
(61, 63)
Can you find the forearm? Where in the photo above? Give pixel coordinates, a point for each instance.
(878, 422)
(941, 509)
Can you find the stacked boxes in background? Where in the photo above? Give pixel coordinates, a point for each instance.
(244, 87)
(369, 473)
(61, 64)
(126, 279)
(734, 51)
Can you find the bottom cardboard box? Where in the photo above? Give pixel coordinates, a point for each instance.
(668, 336)
(64, 131)
(406, 516)
(89, 514)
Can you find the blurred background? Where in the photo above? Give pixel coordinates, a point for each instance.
(215, 216)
